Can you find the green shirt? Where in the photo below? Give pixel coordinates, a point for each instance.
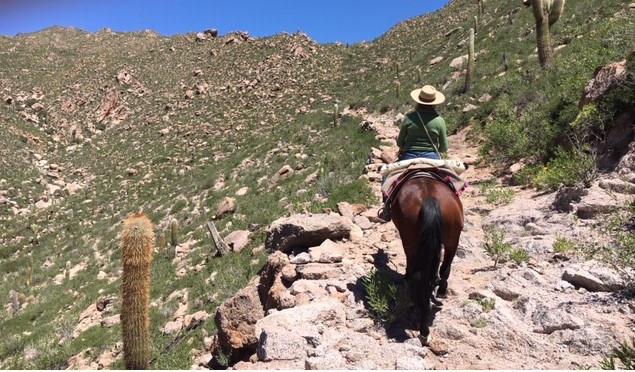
(413, 137)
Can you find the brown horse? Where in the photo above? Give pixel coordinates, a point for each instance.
(427, 214)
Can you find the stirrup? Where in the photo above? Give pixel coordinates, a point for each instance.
(384, 215)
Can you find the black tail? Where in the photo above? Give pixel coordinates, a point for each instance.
(424, 273)
(429, 255)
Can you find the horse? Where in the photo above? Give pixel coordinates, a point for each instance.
(427, 214)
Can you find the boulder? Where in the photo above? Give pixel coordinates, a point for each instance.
(604, 79)
(226, 206)
(236, 318)
(276, 343)
(435, 60)
(238, 240)
(594, 279)
(328, 312)
(553, 320)
(458, 61)
(301, 230)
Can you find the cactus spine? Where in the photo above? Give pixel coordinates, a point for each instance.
(546, 13)
(470, 63)
(137, 243)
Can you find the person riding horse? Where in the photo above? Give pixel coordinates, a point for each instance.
(422, 134)
(426, 210)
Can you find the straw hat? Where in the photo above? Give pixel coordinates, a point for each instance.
(427, 96)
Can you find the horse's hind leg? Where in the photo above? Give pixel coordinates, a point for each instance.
(420, 292)
(442, 291)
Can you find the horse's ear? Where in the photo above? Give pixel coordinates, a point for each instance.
(466, 166)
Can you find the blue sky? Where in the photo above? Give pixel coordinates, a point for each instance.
(325, 21)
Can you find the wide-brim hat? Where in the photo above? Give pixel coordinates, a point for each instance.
(427, 95)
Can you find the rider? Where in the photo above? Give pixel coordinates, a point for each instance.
(422, 133)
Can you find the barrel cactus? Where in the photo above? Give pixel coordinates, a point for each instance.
(137, 244)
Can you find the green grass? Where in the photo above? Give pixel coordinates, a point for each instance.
(479, 323)
(496, 195)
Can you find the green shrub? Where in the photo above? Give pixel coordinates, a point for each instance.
(526, 175)
(621, 250)
(519, 256)
(561, 245)
(487, 303)
(505, 137)
(567, 167)
(479, 323)
(495, 245)
(386, 302)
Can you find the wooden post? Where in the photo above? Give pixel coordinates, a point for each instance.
(221, 248)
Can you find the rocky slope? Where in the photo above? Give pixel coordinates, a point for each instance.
(556, 311)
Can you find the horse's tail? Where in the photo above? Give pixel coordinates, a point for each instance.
(429, 250)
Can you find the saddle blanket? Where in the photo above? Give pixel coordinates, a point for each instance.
(457, 166)
(422, 169)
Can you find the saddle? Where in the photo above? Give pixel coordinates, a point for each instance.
(446, 174)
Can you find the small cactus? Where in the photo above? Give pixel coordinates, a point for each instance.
(469, 75)
(162, 242)
(335, 114)
(137, 241)
(418, 74)
(68, 271)
(29, 272)
(15, 301)
(174, 232)
(398, 88)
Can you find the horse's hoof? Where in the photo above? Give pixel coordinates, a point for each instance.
(436, 302)
(424, 340)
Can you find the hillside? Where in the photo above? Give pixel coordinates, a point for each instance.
(97, 126)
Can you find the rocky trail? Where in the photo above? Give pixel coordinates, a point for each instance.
(307, 310)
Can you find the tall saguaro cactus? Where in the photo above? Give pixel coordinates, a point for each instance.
(137, 243)
(469, 75)
(546, 13)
